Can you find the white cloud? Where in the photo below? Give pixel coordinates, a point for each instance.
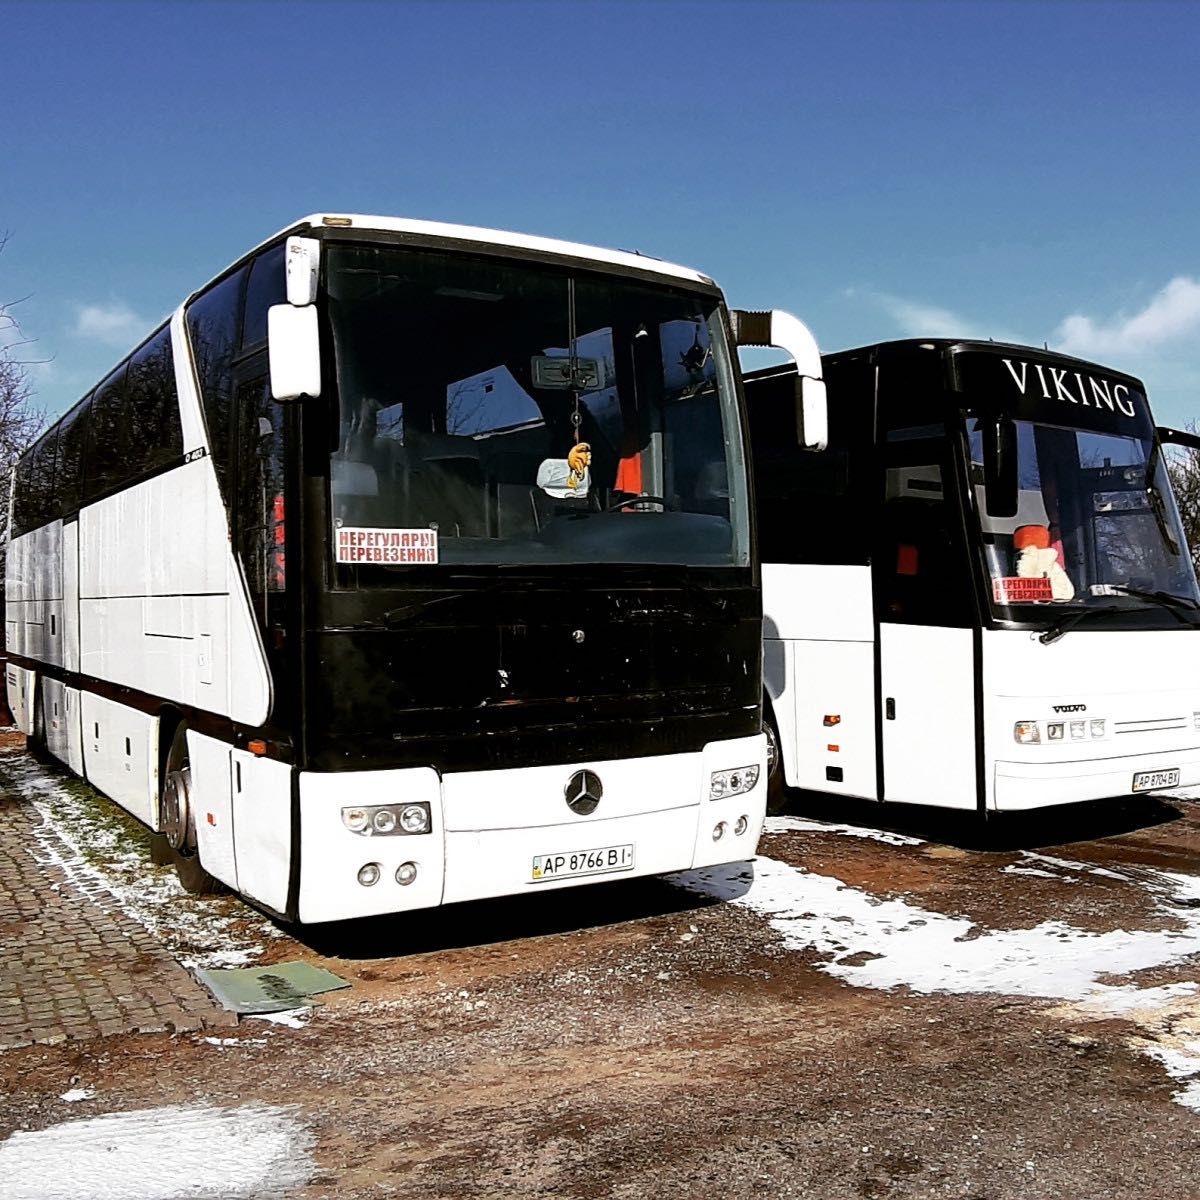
(115, 324)
(914, 318)
(1172, 314)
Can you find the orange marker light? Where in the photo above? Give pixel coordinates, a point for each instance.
(832, 719)
(257, 747)
(833, 749)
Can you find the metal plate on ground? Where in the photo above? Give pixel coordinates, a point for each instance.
(269, 989)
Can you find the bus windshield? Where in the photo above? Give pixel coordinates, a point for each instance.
(1096, 522)
(514, 412)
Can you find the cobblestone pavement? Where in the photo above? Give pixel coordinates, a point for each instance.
(72, 965)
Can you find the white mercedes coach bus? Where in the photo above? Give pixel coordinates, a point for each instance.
(408, 564)
(979, 595)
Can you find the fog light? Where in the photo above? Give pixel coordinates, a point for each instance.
(1027, 732)
(1097, 729)
(384, 820)
(355, 819)
(743, 823)
(368, 874)
(718, 831)
(414, 818)
(1054, 731)
(1078, 729)
(406, 873)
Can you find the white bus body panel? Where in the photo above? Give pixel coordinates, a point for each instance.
(34, 595)
(70, 604)
(488, 825)
(162, 605)
(19, 684)
(819, 661)
(262, 827)
(212, 804)
(120, 754)
(929, 748)
(1144, 684)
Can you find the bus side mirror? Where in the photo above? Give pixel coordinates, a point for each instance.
(293, 351)
(783, 331)
(1000, 466)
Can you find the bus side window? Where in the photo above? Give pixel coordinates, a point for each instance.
(156, 436)
(258, 508)
(921, 572)
(71, 448)
(43, 498)
(267, 286)
(108, 438)
(214, 322)
(22, 509)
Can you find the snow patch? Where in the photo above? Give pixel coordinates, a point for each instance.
(197, 1151)
(904, 945)
(97, 860)
(293, 1018)
(805, 825)
(76, 1094)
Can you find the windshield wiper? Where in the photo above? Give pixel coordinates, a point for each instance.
(1157, 506)
(1177, 606)
(1168, 600)
(1066, 623)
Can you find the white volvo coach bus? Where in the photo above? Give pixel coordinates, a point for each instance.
(408, 564)
(979, 594)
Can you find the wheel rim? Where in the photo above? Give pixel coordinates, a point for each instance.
(772, 749)
(175, 817)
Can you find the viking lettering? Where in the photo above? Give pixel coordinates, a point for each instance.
(1101, 391)
(1059, 373)
(1019, 380)
(1123, 402)
(1042, 376)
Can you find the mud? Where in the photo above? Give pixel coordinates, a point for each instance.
(633, 1039)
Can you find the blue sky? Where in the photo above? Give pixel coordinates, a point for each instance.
(1018, 170)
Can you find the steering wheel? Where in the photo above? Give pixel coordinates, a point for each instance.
(645, 498)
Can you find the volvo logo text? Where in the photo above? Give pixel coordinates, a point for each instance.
(1061, 708)
(583, 792)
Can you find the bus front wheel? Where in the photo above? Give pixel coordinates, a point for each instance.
(776, 788)
(178, 822)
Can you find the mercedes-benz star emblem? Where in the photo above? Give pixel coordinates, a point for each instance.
(583, 792)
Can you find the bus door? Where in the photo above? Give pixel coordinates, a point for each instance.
(925, 614)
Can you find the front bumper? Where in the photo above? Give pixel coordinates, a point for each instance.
(488, 826)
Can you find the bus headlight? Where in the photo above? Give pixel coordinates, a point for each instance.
(355, 819)
(414, 818)
(385, 820)
(1027, 733)
(732, 783)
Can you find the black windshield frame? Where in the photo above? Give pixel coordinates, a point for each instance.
(723, 392)
(1067, 400)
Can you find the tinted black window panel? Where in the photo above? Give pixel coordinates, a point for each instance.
(22, 507)
(214, 323)
(43, 499)
(108, 448)
(72, 446)
(155, 433)
(267, 286)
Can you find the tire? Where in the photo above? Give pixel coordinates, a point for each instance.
(180, 837)
(777, 793)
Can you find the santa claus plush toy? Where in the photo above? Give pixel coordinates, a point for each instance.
(1036, 559)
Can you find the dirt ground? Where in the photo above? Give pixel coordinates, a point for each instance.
(937, 1011)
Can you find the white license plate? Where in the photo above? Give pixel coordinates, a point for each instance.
(1147, 781)
(582, 862)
